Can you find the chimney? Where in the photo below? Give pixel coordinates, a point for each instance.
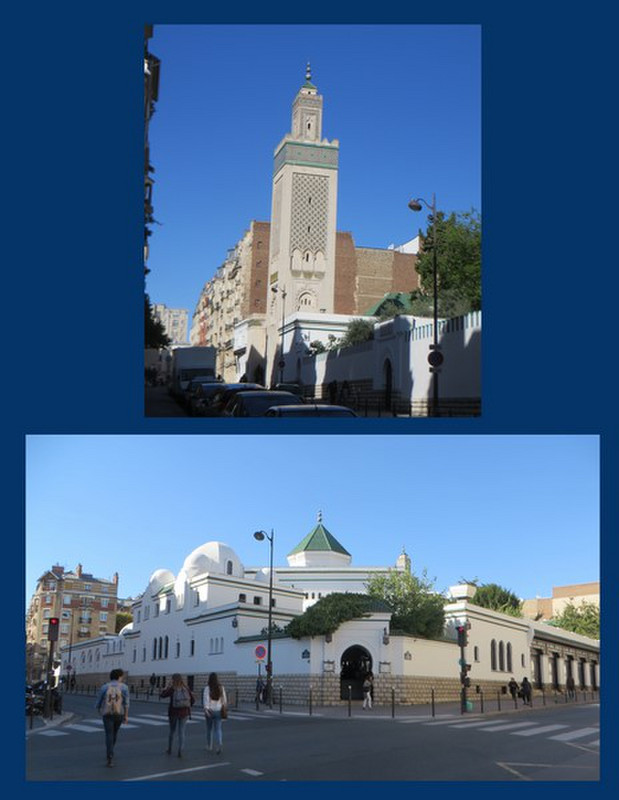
(58, 570)
(115, 579)
(78, 571)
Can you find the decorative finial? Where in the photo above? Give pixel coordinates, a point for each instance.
(308, 72)
(320, 516)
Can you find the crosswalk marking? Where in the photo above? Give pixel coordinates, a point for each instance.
(508, 726)
(478, 724)
(542, 729)
(51, 733)
(82, 728)
(450, 721)
(253, 772)
(577, 734)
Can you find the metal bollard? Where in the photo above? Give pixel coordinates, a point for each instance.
(432, 701)
(498, 700)
(481, 700)
(310, 701)
(349, 700)
(543, 697)
(392, 702)
(280, 699)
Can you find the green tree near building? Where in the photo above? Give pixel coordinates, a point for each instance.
(416, 607)
(583, 618)
(458, 265)
(327, 614)
(122, 618)
(497, 598)
(357, 331)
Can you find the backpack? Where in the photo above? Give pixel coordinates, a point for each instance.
(113, 701)
(181, 698)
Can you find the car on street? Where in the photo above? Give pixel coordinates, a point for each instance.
(193, 385)
(256, 403)
(310, 410)
(221, 398)
(201, 396)
(295, 388)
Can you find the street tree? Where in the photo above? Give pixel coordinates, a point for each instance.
(416, 607)
(357, 331)
(327, 614)
(154, 331)
(497, 598)
(458, 256)
(583, 618)
(122, 618)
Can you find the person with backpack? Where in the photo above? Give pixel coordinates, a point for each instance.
(179, 710)
(367, 691)
(113, 705)
(215, 709)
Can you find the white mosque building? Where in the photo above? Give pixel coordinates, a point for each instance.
(212, 617)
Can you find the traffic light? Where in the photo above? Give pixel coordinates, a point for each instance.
(462, 636)
(52, 629)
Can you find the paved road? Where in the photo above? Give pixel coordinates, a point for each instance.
(558, 743)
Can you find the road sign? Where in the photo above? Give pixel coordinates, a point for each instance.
(435, 359)
(260, 652)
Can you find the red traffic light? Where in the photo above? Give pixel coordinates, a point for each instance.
(52, 629)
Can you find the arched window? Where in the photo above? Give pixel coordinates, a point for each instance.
(228, 567)
(166, 644)
(501, 657)
(493, 654)
(154, 649)
(509, 657)
(160, 653)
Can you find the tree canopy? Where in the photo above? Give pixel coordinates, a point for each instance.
(357, 332)
(154, 331)
(583, 618)
(416, 607)
(328, 613)
(497, 598)
(122, 618)
(458, 257)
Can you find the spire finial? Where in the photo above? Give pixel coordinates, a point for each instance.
(320, 516)
(308, 72)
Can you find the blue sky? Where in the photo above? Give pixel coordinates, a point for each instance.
(521, 511)
(403, 100)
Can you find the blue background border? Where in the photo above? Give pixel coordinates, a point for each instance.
(73, 332)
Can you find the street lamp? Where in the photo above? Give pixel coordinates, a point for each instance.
(435, 357)
(261, 536)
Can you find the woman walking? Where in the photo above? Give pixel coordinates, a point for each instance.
(179, 710)
(215, 709)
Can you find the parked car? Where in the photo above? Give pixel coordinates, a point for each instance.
(256, 403)
(220, 399)
(201, 396)
(295, 388)
(310, 410)
(193, 385)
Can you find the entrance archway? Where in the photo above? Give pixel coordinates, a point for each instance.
(355, 664)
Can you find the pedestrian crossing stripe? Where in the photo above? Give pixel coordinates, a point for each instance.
(577, 734)
(543, 729)
(509, 726)
(51, 733)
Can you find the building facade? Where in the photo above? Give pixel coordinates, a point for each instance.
(546, 608)
(174, 321)
(213, 614)
(85, 605)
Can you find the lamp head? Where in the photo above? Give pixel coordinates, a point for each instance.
(414, 205)
(259, 535)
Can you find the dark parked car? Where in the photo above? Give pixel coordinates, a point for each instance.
(201, 396)
(256, 403)
(193, 385)
(310, 410)
(295, 388)
(220, 399)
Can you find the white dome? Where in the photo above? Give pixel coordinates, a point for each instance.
(262, 575)
(159, 578)
(126, 629)
(214, 557)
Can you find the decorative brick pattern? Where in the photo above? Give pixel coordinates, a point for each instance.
(310, 208)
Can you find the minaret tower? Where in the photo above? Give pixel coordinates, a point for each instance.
(303, 218)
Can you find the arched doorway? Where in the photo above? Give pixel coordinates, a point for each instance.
(388, 380)
(355, 664)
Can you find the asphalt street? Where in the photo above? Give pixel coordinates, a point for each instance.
(539, 744)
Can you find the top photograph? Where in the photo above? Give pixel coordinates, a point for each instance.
(312, 240)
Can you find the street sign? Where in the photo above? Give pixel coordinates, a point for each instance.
(260, 652)
(435, 359)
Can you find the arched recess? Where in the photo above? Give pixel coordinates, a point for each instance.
(355, 664)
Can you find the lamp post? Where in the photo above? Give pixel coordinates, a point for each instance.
(435, 357)
(261, 536)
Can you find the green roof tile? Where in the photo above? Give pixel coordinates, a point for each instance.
(319, 539)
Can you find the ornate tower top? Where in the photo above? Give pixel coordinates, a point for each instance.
(320, 516)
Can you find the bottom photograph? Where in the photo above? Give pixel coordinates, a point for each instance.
(312, 608)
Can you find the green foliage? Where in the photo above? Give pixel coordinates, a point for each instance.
(328, 614)
(317, 347)
(122, 618)
(154, 332)
(391, 309)
(458, 258)
(357, 332)
(416, 607)
(583, 618)
(495, 597)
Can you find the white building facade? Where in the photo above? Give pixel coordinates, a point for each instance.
(213, 614)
